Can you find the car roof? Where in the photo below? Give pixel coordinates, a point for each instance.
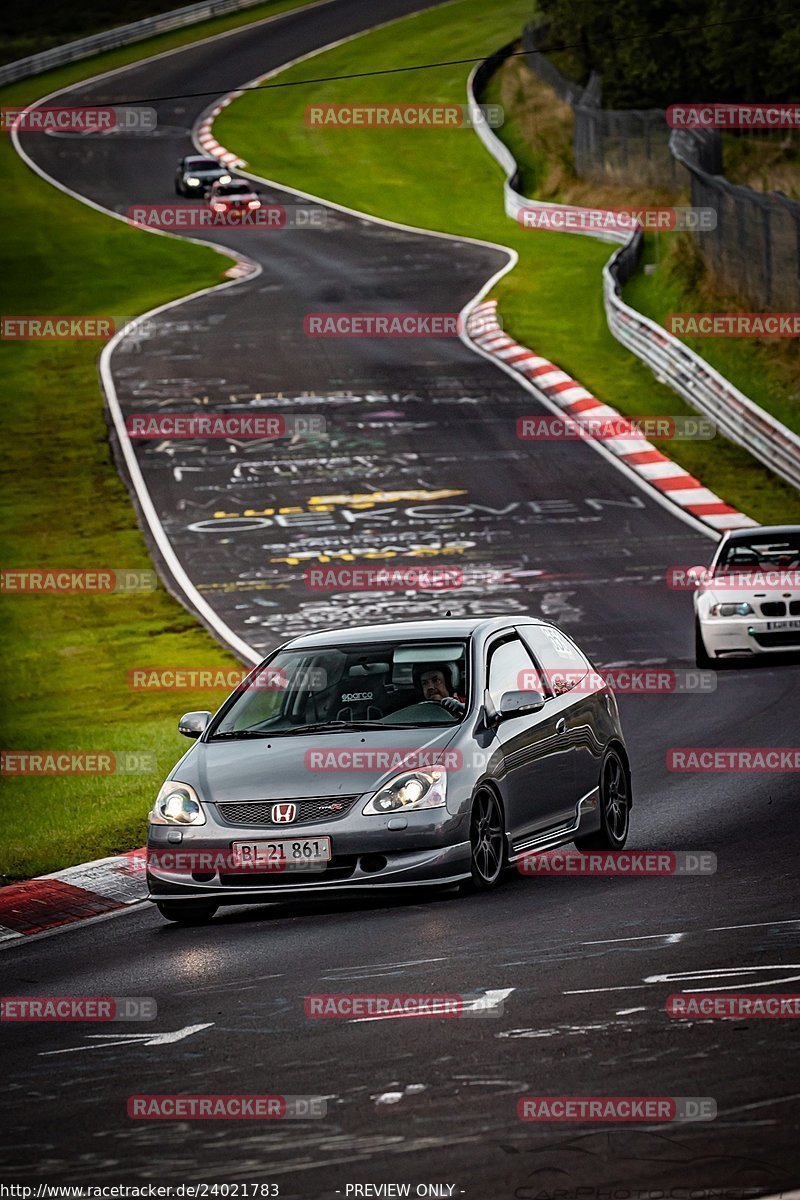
(735, 535)
(444, 627)
(203, 158)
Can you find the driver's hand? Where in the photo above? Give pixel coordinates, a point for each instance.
(453, 706)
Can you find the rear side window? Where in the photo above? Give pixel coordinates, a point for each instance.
(560, 660)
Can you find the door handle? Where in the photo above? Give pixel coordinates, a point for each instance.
(561, 724)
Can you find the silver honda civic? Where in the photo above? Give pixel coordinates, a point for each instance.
(390, 756)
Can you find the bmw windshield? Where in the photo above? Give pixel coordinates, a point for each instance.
(380, 684)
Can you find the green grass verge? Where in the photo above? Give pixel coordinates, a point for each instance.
(67, 658)
(445, 180)
(766, 370)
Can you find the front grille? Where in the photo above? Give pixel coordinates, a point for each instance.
(309, 812)
(794, 608)
(790, 637)
(341, 867)
(773, 608)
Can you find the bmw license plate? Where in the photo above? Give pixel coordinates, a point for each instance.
(283, 854)
(778, 625)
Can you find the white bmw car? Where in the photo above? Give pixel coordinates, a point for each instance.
(747, 601)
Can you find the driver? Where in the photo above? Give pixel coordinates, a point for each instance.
(433, 681)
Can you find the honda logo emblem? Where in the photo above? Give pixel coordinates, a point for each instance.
(283, 814)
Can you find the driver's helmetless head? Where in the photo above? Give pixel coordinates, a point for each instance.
(434, 685)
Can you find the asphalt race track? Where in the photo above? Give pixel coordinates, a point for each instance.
(586, 964)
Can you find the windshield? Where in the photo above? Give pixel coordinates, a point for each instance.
(233, 189)
(203, 164)
(387, 684)
(761, 553)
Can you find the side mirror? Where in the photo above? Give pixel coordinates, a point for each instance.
(518, 704)
(192, 724)
(697, 576)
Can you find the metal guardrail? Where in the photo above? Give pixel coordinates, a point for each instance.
(124, 35)
(514, 202)
(737, 416)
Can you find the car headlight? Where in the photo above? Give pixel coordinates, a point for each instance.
(254, 204)
(411, 790)
(218, 207)
(740, 609)
(224, 179)
(177, 804)
(191, 182)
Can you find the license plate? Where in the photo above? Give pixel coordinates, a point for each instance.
(777, 625)
(283, 854)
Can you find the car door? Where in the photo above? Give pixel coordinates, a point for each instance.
(574, 684)
(538, 773)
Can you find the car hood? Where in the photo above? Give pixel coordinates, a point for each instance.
(302, 766)
(754, 595)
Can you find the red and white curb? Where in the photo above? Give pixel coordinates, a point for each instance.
(206, 140)
(579, 405)
(74, 894)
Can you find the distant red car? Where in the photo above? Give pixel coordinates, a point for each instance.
(237, 195)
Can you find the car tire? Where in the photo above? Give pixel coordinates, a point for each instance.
(487, 839)
(615, 806)
(187, 912)
(701, 656)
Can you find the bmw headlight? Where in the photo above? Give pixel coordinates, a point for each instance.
(730, 610)
(224, 179)
(410, 791)
(192, 182)
(177, 804)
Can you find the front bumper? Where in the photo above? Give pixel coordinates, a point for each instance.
(433, 849)
(747, 636)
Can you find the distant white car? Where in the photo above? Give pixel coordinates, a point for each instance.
(747, 602)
